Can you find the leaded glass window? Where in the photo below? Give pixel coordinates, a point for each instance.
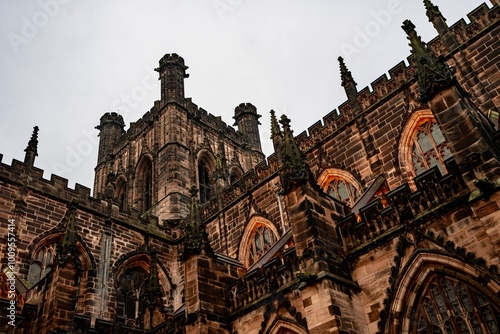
(343, 191)
(450, 306)
(41, 264)
(262, 239)
(429, 148)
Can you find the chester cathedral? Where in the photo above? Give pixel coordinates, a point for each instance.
(382, 217)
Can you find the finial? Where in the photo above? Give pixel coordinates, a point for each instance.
(152, 289)
(345, 74)
(431, 10)
(32, 148)
(275, 128)
(295, 169)
(196, 238)
(433, 74)
(67, 246)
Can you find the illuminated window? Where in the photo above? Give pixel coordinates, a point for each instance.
(450, 306)
(429, 148)
(41, 264)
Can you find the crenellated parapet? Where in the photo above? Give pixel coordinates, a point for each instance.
(251, 179)
(400, 78)
(382, 220)
(275, 275)
(56, 188)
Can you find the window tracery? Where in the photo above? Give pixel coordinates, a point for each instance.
(129, 303)
(429, 147)
(41, 264)
(343, 190)
(451, 306)
(341, 185)
(261, 240)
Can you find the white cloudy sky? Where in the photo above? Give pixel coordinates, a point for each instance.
(66, 62)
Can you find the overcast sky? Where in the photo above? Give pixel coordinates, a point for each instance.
(66, 62)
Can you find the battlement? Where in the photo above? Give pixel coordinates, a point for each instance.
(111, 118)
(401, 76)
(172, 59)
(244, 108)
(56, 186)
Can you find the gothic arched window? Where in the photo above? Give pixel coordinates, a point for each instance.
(451, 306)
(261, 240)
(343, 190)
(259, 236)
(204, 181)
(121, 192)
(429, 147)
(235, 173)
(144, 184)
(340, 185)
(41, 264)
(206, 166)
(128, 299)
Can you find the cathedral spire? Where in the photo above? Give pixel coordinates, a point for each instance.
(433, 75)
(295, 169)
(32, 148)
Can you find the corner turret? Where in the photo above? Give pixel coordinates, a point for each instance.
(110, 130)
(172, 74)
(247, 120)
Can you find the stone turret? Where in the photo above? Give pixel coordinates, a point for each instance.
(172, 74)
(110, 130)
(247, 120)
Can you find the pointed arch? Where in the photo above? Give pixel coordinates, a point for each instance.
(281, 326)
(205, 168)
(121, 192)
(43, 253)
(341, 185)
(422, 145)
(259, 235)
(235, 173)
(423, 269)
(42, 263)
(131, 277)
(143, 187)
